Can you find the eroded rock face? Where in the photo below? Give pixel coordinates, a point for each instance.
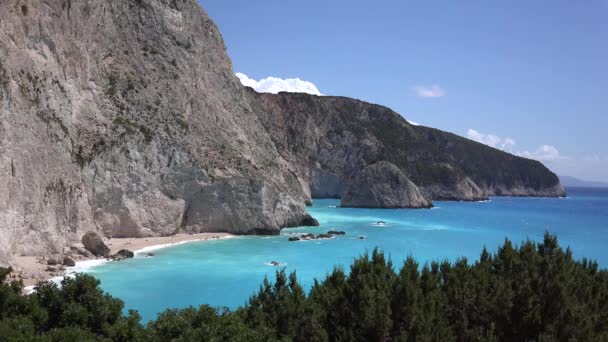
(383, 185)
(125, 117)
(94, 244)
(331, 139)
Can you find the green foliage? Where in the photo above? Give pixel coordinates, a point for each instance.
(112, 82)
(534, 292)
(131, 128)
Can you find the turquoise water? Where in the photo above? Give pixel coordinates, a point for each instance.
(227, 272)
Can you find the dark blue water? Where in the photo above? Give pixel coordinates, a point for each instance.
(227, 272)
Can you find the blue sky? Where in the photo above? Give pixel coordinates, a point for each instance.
(530, 77)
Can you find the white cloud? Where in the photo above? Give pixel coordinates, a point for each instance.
(491, 140)
(275, 85)
(589, 167)
(544, 153)
(433, 91)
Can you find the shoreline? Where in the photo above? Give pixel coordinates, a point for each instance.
(32, 269)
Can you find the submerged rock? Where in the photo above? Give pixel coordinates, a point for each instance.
(336, 232)
(311, 236)
(308, 236)
(383, 185)
(93, 243)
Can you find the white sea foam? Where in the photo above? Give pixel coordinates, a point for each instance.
(280, 264)
(165, 245)
(80, 267)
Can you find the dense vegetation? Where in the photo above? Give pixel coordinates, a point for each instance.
(534, 292)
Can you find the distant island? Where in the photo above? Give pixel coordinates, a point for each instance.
(569, 181)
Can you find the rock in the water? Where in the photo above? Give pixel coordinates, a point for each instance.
(308, 236)
(309, 221)
(94, 244)
(122, 255)
(336, 232)
(275, 263)
(383, 185)
(67, 261)
(311, 236)
(150, 254)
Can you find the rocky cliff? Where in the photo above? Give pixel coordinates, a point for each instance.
(383, 185)
(124, 117)
(332, 140)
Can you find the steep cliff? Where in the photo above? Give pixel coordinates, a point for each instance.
(125, 117)
(383, 185)
(332, 139)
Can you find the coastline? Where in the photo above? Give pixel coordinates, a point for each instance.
(33, 269)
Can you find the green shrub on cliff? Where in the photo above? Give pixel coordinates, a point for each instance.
(534, 292)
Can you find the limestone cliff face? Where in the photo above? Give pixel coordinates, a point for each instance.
(124, 116)
(383, 185)
(331, 139)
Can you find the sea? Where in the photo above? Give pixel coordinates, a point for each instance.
(226, 272)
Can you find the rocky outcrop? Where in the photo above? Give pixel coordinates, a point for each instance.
(69, 262)
(309, 221)
(122, 255)
(310, 236)
(94, 244)
(383, 185)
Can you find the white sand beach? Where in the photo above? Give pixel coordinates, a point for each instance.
(32, 269)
